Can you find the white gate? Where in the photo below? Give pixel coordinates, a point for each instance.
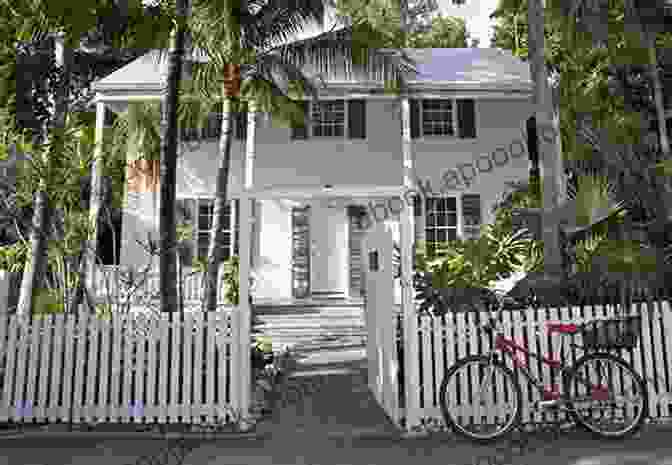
(381, 314)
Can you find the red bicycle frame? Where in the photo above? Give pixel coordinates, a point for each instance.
(518, 354)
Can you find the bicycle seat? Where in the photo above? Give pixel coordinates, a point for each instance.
(562, 328)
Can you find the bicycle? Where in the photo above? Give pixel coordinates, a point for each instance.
(599, 396)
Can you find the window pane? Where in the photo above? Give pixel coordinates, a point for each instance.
(452, 234)
(430, 235)
(441, 235)
(204, 222)
(329, 118)
(451, 219)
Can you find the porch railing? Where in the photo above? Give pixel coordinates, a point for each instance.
(105, 284)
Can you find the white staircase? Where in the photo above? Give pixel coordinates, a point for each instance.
(312, 325)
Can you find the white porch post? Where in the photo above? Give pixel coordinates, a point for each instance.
(244, 310)
(407, 238)
(96, 191)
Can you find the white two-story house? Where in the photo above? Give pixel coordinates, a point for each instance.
(319, 188)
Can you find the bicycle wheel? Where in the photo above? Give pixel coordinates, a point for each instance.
(606, 396)
(481, 400)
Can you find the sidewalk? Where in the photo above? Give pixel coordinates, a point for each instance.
(343, 405)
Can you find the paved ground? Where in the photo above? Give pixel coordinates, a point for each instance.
(317, 432)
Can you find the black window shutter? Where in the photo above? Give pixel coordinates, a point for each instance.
(357, 119)
(415, 118)
(301, 131)
(241, 125)
(466, 112)
(471, 214)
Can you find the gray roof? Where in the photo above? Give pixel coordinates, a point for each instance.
(449, 68)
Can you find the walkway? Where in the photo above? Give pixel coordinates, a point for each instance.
(343, 405)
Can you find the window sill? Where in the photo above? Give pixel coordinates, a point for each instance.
(446, 139)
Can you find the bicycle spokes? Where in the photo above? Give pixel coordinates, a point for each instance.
(606, 396)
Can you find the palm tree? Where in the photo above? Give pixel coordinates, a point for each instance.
(167, 224)
(245, 60)
(552, 166)
(39, 20)
(644, 21)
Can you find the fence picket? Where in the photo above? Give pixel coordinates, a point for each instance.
(174, 406)
(666, 314)
(8, 393)
(532, 322)
(187, 379)
(210, 348)
(426, 368)
(567, 315)
(657, 349)
(439, 361)
(19, 388)
(522, 380)
(56, 372)
(127, 373)
(197, 404)
(103, 380)
(5, 377)
(470, 318)
(636, 353)
(68, 372)
(45, 363)
(223, 350)
(151, 407)
(116, 379)
(93, 367)
(81, 336)
(140, 371)
(462, 352)
(31, 380)
(648, 356)
(164, 335)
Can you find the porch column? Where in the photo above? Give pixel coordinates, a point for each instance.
(96, 191)
(406, 148)
(242, 337)
(410, 323)
(250, 154)
(244, 310)
(407, 239)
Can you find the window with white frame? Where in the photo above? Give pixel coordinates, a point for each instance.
(203, 226)
(328, 118)
(440, 221)
(437, 117)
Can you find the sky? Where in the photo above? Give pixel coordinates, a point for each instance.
(478, 25)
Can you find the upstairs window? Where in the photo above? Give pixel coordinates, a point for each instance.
(437, 117)
(443, 118)
(328, 118)
(332, 118)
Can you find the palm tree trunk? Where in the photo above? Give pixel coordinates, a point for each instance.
(657, 86)
(544, 119)
(216, 246)
(34, 273)
(87, 267)
(167, 220)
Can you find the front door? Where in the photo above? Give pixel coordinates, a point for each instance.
(329, 270)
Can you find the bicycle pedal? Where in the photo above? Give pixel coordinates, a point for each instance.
(545, 404)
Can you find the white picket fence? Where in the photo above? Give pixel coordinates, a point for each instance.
(443, 341)
(105, 283)
(87, 369)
